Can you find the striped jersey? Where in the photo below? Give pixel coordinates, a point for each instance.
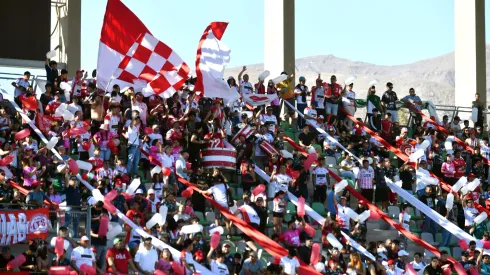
(365, 177)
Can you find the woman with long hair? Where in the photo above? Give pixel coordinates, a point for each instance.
(165, 262)
(449, 170)
(43, 263)
(279, 204)
(355, 265)
(197, 142)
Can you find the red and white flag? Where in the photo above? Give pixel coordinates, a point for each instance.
(257, 100)
(150, 61)
(212, 57)
(131, 57)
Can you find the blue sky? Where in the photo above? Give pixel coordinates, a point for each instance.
(383, 32)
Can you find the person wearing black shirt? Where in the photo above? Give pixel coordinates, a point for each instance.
(261, 210)
(199, 179)
(407, 178)
(98, 242)
(382, 190)
(5, 258)
(429, 199)
(47, 96)
(51, 70)
(433, 268)
(6, 192)
(375, 121)
(443, 211)
(30, 264)
(73, 199)
(304, 251)
(305, 137)
(388, 100)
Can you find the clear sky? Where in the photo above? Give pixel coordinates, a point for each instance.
(385, 32)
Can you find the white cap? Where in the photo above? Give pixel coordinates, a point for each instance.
(139, 191)
(402, 253)
(84, 239)
(150, 191)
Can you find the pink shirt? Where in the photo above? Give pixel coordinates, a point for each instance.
(103, 139)
(292, 236)
(28, 179)
(448, 167)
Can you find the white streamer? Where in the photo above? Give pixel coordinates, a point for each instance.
(314, 215)
(156, 242)
(433, 215)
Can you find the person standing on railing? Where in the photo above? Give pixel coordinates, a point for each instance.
(389, 102)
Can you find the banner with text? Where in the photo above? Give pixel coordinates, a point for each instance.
(20, 225)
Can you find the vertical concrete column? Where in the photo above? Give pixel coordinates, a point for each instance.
(279, 36)
(470, 52)
(73, 45)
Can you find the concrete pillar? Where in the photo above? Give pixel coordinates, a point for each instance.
(279, 36)
(470, 52)
(73, 45)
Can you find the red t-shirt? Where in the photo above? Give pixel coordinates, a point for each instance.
(121, 260)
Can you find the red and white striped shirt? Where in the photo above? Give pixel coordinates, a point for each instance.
(365, 177)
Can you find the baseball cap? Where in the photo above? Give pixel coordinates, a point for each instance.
(253, 253)
(199, 255)
(84, 239)
(390, 262)
(116, 241)
(404, 129)
(139, 191)
(321, 117)
(226, 245)
(151, 191)
(402, 253)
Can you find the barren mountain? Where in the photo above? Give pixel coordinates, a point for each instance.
(432, 79)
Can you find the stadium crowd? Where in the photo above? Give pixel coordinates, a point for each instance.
(174, 132)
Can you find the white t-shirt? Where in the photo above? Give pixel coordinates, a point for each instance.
(140, 107)
(154, 136)
(265, 118)
(146, 258)
(168, 161)
(281, 182)
(82, 255)
(219, 268)
(320, 175)
(299, 98)
(406, 220)
(343, 217)
(190, 261)
(289, 265)
(319, 96)
(219, 194)
(67, 245)
(348, 98)
(247, 88)
(310, 112)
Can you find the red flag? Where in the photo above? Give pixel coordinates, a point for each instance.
(121, 27)
(153, 62)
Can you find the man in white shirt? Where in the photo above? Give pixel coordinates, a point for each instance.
(301, 92)
(218, 265)
(146, 257)
(290, 263)
(134, 154)
(181, 165)
(82, 255)
(137, 104)
(113, 119)
(155, 134)
(269, 118)
(246, 87)
(349, 103)
(218, 191)
(21, 84)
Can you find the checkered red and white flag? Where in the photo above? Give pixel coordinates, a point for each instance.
(152, 66)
